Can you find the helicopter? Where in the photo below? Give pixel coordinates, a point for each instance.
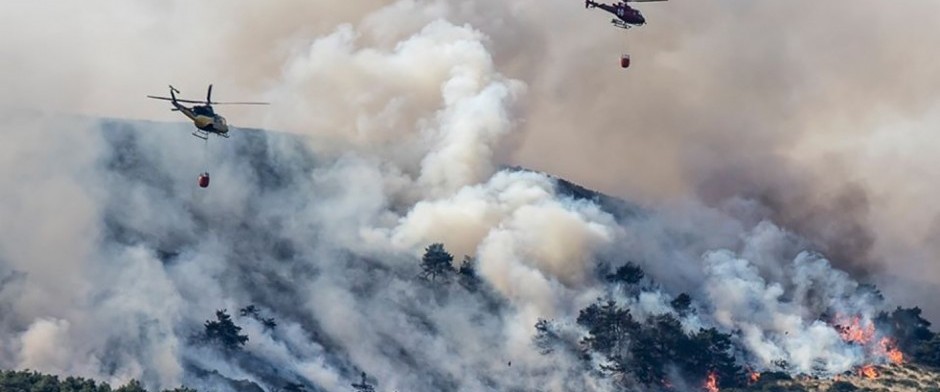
(626, 16)
(204, 117)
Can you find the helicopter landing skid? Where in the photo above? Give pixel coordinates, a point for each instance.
(204, 135)
(621, 24)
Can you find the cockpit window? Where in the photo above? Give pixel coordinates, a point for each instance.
(203, 110)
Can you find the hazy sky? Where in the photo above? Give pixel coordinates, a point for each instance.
(845, 90)
(820, 116)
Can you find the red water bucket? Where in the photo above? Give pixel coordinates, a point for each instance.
(625, 61)
(203, 180)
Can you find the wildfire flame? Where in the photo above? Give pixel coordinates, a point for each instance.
(889, 349)
(711, 382)
(868, 371)
(855, 331)
(862, 332)
(753, 377)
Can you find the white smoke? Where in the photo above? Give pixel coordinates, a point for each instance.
(430, 117)
(111, 259)
(773, 329)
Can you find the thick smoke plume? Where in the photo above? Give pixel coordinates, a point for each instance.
(399, 116)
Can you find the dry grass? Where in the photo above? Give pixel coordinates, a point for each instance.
(893, 378)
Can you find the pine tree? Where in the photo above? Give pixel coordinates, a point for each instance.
(682, 304)
(628, 273)
(224, 332)
(467, 274)
(363, 386)
(131, 386)
(436, 263)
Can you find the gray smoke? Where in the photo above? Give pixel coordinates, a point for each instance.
(399, 116)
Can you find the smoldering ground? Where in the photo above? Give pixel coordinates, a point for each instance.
(408, 108)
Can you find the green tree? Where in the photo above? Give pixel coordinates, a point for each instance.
(657, 344)
(682, 304)
(363, 386)
(467, 274)
(907, 326)
(710, 350)
(36, 382)
(253, 312)
(608, 327)
(250, 310)
(224, 332)
(436, 263)
(131, 386)
(928, 353)
(647, 352)
(268, 323)
(628, 273)
(294, 387)
(45, 383)
(78, 384)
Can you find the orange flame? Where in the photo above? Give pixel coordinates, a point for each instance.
(855, 332)
(868, 371)
(711, 382)
(888, 348)
(896, 356)
(753, 377)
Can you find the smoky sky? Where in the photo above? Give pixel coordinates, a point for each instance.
(816, 119)
(841, 94)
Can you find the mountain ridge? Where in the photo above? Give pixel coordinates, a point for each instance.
(250, 239)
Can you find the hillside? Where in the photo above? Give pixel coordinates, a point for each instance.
(301, 270)
(900, 378)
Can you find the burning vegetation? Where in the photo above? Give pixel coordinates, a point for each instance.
(660, 350)
(879, 349)
(889, 349)
(753, 377)
(868, 371)
(855, 330)
(711, 382)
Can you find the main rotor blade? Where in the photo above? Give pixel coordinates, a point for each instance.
(642, 1)
(189, 101)
(240, 103)
(177, 100)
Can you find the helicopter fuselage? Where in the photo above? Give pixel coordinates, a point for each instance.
(625, 13)
(204, 118)
(626, 16)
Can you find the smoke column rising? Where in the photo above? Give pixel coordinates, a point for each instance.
(406, 110)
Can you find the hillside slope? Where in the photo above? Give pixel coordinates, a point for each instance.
(299, 269)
